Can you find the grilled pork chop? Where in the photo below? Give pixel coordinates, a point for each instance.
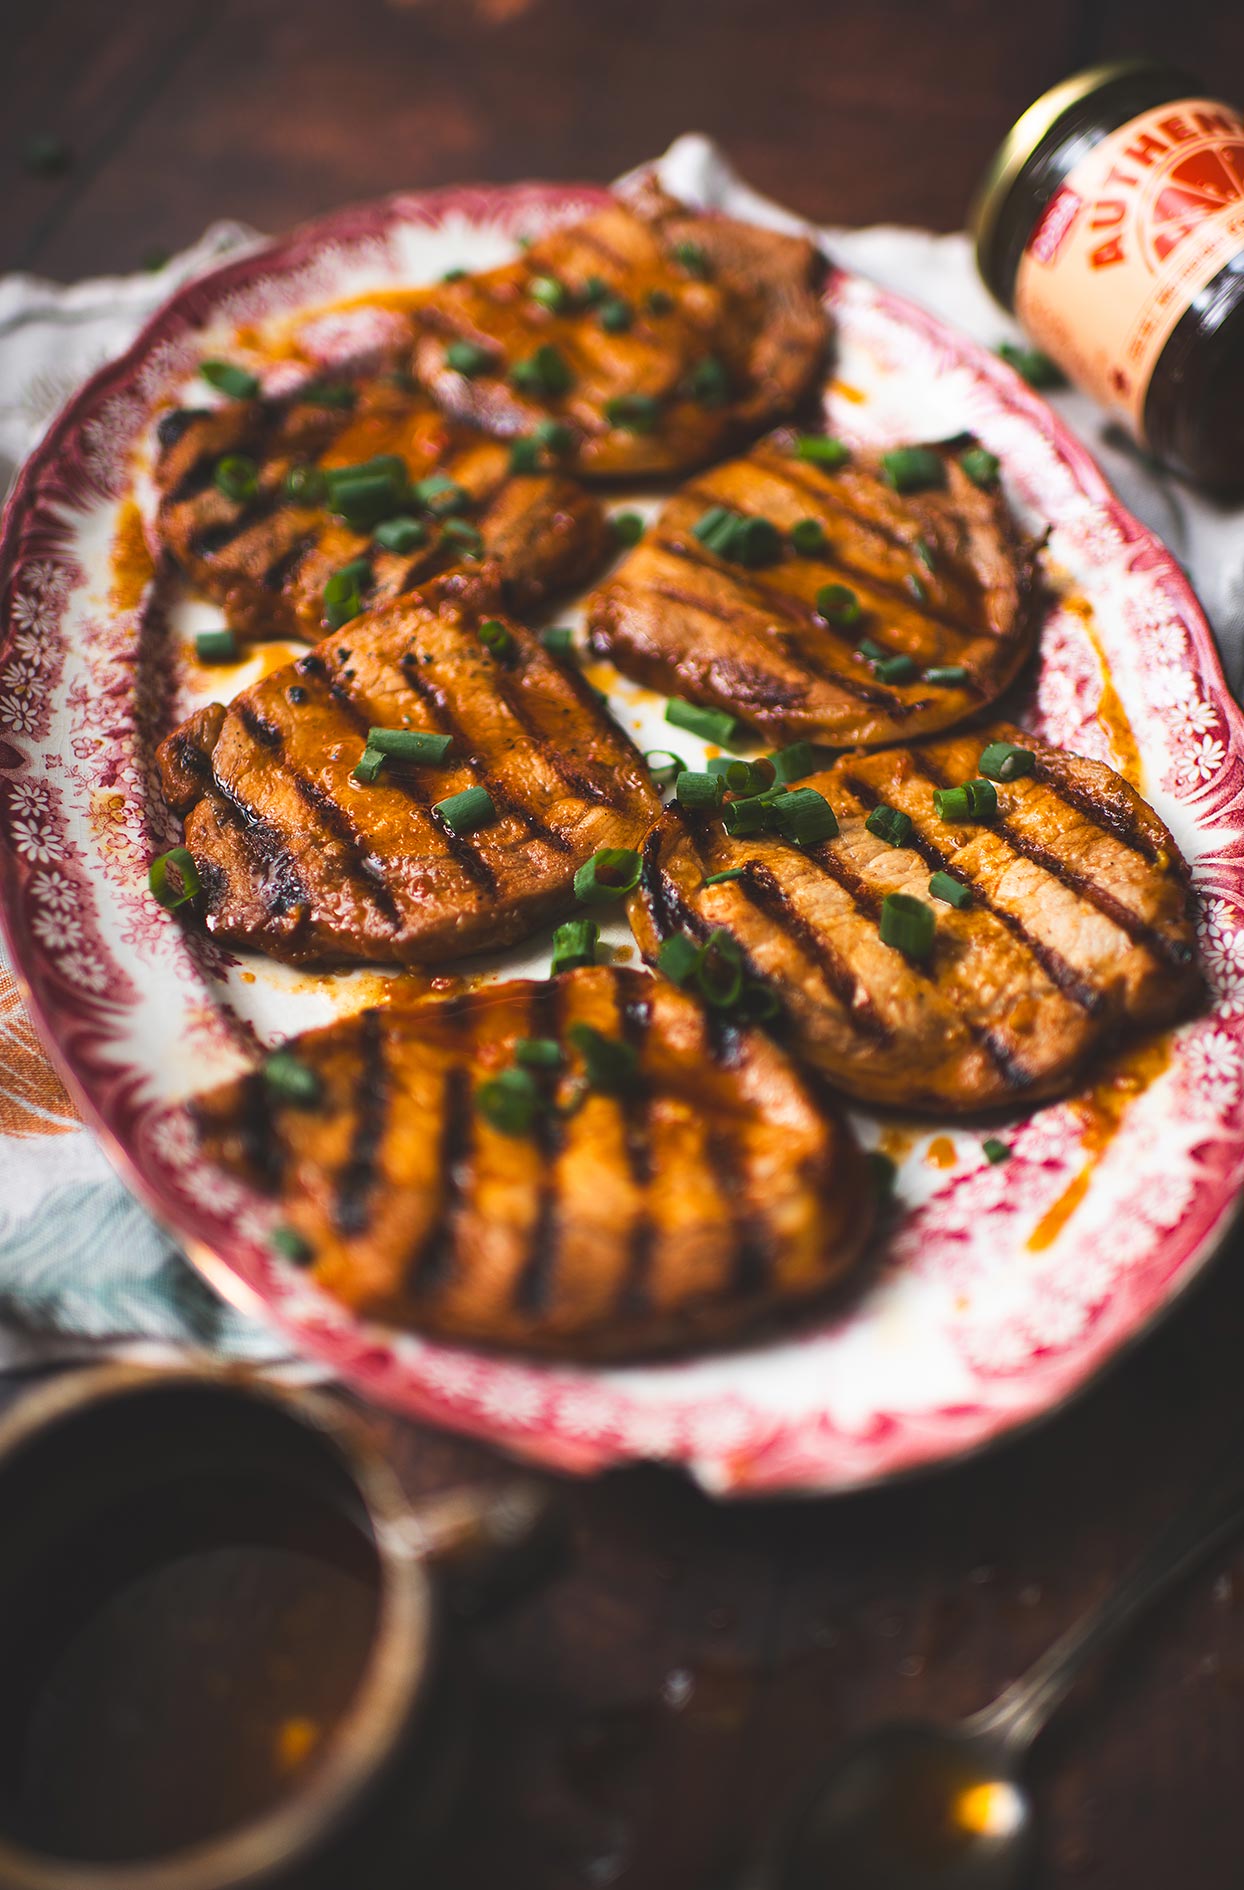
(266, 558)
(1079, 925)
(698, 1193)
(939, 577)
(301, 859)
(655, 337)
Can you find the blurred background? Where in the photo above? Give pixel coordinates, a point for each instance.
(128, 127)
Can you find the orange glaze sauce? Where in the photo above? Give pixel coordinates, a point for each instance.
(1101, 1110)
(846, 392)
(941, 1152)
(130, 563)
(1111, 714)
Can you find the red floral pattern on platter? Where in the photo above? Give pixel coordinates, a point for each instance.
(951, 1343)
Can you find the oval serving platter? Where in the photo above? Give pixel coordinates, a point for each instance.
(998, 1289)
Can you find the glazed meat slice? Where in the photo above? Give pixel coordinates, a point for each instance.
(654, 336)
(703, 1192)
(301, 859)
(266, 557)
(932, 616)
(1079, 925)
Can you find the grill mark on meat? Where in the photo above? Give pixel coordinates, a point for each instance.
(764, 892)
(279, 573)
(1129, 923)
(573, 777)
(195, 480)
(214, 538)
(1102, 814)
(751, 1247)
(635, 1292)
(432, 1264)
(261, 1146)
(1060, 973)
(671, 913)
(358, 1179)
(536, 1278)
(176, 423)
(290, 894)
(190, 756)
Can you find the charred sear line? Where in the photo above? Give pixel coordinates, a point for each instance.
(263, 733)
(285, 568)
(359, 1178)
(515, 701)
(749, 1264)
(1103, 814)
(284, 890)
(763, 891)
(536, 1279)
(212, 539)
(261, 1144)
(432, 1265)
(338, 823)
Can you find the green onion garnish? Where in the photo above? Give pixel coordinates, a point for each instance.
(460, 531)
(804, 817)
(808, 537)
(184, 884)
(664, 765)
(558, 640)
(837, 603)
(882, 1170)
(947, 675)
(291, 1080)
(401, 534)
(611, 1065)
(329, 394)
(907, 924)
(609, 874)
(538, 1053)
(216, 646)
(496, 638)
(659, 302)
(237, 476)
(747, 817)
(365, 493)
(549, 293)
(693, 259)
(708, 383)
(895, 669)
(951, 891)
(975, 800)
(469, 358)
(981, 466)
(616, 315)
(509, 1102)
(633, 413)
(926, 554)
(466, 812)
(694, 789)
(746, 777)
(1003, 761)
(714, 725)
(544, 372)
(743, 539)
(454, 275)
(1036, 368)
(890, 824)
(554, 435)
(793, 763)
(821, 450)
(237, 382)
(594, 291)
(525, 455)
(995, 1151)
(440, 495)
(411, 744)
(719, 973)
(874, 652)
(724, 879)
(678, 958)
(343, 593)
(574, 945)
(913, 468)
(291, 1245)
(305, 485)
(368, 766)
(916, 585)
(627, 527)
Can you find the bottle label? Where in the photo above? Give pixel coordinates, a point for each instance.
(1135, 232)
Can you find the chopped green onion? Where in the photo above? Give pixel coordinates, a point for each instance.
(554, 435)
(981, 466)
(926, 555)
(913, 468)
(751, 816)
(611, 1065)
(708, 382)
(719, 973)
(1036, 368)
(808, 537)
(714, 725)
(724, 879)
(574, 945)
(1003, 761)
(874, 652)
(440, 495)
(400, 534)
(793, 763)
(995, 1151)
(305, 485)
(821, 450)
(694, 789)
(544, 372)
(549, 293)
(713, 527)
(368, 766)
(237, 476)
(365, 493)
(216, 646)
(468, 811)
(804, 817)
(469, 358)
(882, 1170)
(460, 531)
(525, 455)
(538, 1053)
(291, 1245)
(594, 290)
(678, 958)
(454, 275)
(609, 874)
(237, 382)
(907, 925)
(411, 744)
(627, 527)
(180, 861)
(329, 394)
(496, 638)
(951, 891)
(343, 593)
(946, 675)
(917, 587)
(890, 824)
(616, 315)
(633, 413)
(558, 640)
(509, 1102)
(739, 537)
(975, 800)
(748, 777)
(895, 669)
(837, 603)
(291, 1080)
(659, 302)
(693, 259)
(664, 766)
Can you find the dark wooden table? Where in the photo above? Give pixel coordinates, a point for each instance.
(649, 1709)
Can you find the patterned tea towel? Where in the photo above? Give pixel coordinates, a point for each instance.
(81, 1264)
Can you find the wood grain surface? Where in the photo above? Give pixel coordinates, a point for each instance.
(648, 1711)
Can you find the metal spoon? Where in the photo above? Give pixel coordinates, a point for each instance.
(926, 1807)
